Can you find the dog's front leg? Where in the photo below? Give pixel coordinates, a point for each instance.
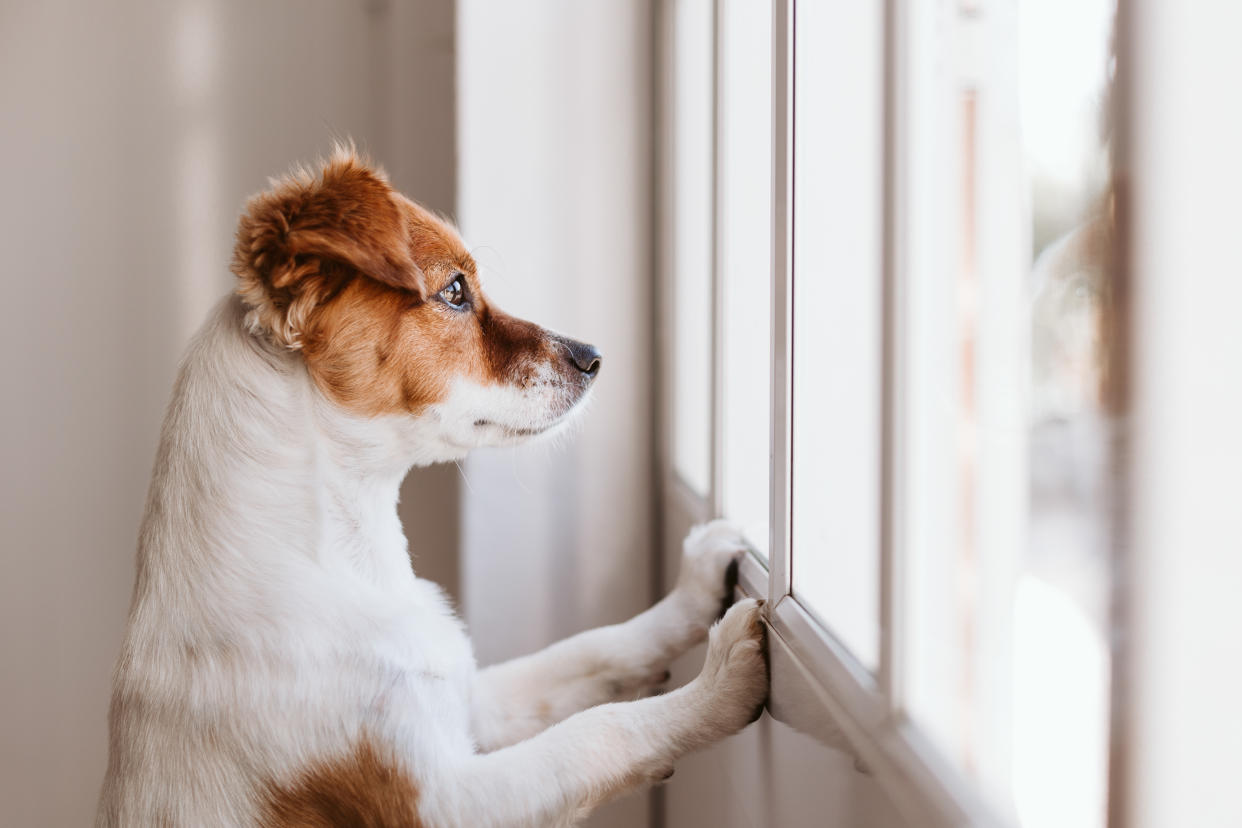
(517, 699)
(555, 778)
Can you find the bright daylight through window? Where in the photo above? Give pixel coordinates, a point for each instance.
(745, 249)
(838, 146)
(1005, 440)
(692, 224)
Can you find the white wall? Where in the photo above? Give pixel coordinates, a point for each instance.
(131, 134)
(555, 197)
(1182, 680)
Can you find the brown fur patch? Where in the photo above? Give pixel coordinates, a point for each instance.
(361, 789)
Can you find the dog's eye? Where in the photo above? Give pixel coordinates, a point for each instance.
(455, 294)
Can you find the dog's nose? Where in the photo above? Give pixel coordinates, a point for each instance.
(585, 357)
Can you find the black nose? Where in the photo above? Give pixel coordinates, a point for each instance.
(585, 357)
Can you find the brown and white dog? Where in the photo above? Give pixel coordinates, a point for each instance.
(283, 664)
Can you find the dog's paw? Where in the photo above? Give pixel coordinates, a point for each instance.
(709, 561)
(734, 679)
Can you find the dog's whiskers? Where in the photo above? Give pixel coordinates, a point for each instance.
(464, 477)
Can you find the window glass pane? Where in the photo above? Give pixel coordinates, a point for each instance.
(1006, 436)
(692, 126)
(745, 193)
(838, 185)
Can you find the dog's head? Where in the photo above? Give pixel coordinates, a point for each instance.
(384, 302)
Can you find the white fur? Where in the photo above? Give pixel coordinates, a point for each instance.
(276, 620)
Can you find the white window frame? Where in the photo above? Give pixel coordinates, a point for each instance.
(865, 709)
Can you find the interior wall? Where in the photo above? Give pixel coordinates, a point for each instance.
(1176, 750)
(132, 133)
(555, 199)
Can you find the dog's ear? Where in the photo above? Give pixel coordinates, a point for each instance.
(299, 239)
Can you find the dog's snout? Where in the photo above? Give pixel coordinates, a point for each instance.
(586, 358)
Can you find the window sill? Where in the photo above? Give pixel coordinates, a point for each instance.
(819, 689)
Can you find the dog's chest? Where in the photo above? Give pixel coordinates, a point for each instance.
(400, 666)
(423, 674)
(415, 634)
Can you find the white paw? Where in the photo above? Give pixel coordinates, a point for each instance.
(734, 679)
(708, 551)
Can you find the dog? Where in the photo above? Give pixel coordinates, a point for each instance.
(283, 665)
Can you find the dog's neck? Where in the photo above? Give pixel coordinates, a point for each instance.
(266, 472)
(358, 471)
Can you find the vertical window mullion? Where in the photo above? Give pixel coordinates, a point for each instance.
(717, 459)
(891, 482)
(781, 516)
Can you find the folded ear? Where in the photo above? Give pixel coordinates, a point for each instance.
(298, 240)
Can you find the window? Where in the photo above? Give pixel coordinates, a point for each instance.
(692, 141)
(837, 342)
(744, 244)
(907, 305)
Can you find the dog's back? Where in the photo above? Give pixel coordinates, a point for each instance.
(245, 654)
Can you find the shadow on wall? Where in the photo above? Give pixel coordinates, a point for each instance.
(134, 134)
